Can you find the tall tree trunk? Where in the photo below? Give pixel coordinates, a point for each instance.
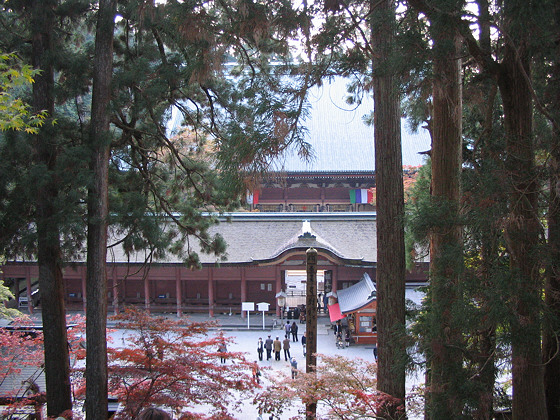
(51, 287)
(551, 349)
(484, 359)
(96, 288)
(445, 361)
(391, 270)
(311, 326)
(522, 228)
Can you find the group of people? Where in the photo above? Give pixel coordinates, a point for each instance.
(273, 345)
(276, 346)
(270, 345)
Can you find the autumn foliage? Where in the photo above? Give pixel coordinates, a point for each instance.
(176, 366)
(22, 360)
(410, 174)
(21, 352)
(342, 389)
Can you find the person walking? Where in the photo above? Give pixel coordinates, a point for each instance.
(222, 349)
(303, 342)
(256, 373)
(338, 329)
(294, 330)
(268, 347)
(260, 348)
(286, 346)
(293, 364)
(277, 345)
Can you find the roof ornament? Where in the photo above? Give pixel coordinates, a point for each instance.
(306, 231)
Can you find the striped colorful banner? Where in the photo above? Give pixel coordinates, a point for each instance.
(361, 196)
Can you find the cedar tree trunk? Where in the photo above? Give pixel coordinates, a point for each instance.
(551, 350)
(522, 235)
(391, 270)
(96, 288)
(49, 258)
(445, 361)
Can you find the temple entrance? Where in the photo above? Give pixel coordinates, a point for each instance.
(296, 285)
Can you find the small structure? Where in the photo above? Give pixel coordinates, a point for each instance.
(358, 304)
(22, 379)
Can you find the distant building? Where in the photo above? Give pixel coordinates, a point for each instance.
(325, 203)
(340, 176)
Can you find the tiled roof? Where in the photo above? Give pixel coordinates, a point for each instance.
(341, 141)
(263, 236)
(357, 296)
(24, 378)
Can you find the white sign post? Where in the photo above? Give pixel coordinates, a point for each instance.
(263, 306)
(248, 306)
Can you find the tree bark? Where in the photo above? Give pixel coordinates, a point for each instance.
(551, 349)
(311, 325)
(391, 270)
(49, 258)
(485, 338)
(445, 361)
(96, 279)
(522, 228)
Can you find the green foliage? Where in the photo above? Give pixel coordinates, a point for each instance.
(417, 231)
(162, 185)
(6, 295)
(14, 112)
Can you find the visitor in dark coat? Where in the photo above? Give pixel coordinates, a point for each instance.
(286, 347)
(260, 348)
(294, 329)
(268, 347)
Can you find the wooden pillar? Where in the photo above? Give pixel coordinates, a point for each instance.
(243, 290)
(179, 291)
(210, 292)
(84, 294)
(311, 324)
(28, 283)
(115, 289)
(335, 279)
(124, 293)
(15, 290)
(147, 293)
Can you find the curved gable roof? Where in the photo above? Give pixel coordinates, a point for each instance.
(308, 238)
(357, 296)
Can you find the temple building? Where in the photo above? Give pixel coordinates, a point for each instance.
(326, 203)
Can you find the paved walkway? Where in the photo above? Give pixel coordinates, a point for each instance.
(245, 334)
(245, 340)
